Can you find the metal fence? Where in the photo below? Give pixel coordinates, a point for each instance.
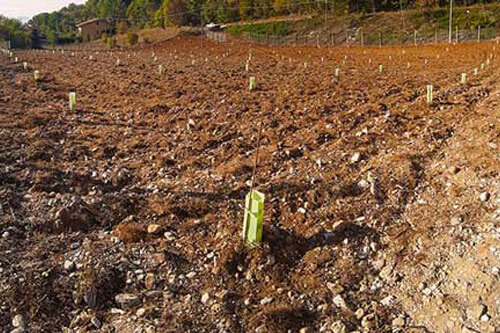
(98, 46)
(358, 37)
(220, 37)
(349, 37)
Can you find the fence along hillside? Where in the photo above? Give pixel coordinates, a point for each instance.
(358, 37)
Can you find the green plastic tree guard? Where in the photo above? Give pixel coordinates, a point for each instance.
(72, 101)
(429, 94)
(254, 216)
(253, 83)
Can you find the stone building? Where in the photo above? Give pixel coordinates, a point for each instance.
(94, 29)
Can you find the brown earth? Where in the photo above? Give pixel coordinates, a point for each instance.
(395, 240)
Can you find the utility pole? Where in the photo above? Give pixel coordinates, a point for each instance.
(450, 21)
(402, 18)
(326, 8)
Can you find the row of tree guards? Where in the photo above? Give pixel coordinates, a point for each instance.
(254, 201)
(350, 36)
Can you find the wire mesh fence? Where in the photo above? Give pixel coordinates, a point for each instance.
(219, 37)
(358, 37)
(346, 37)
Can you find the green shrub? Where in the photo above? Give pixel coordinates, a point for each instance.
(131, 38)
(271, 28)
(121, 27)
(111, 42)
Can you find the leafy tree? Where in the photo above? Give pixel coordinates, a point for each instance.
(111, 42)
(60, 26)
(141, 12)
(161, 15)
(122, 27)
(209, 11)
(14, 31)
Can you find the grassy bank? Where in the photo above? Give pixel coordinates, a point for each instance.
(392, 26)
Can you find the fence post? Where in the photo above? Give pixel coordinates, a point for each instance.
(380, 39)
(362, 39)
(456, 34)
(435, 35)
(478, 33)
(415, 37)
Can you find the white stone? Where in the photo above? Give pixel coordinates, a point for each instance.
(18, 321)
(363, 183)
(398, 322)
(338, 327)
(127, 300)
(359, 313)
(356, 157)
(484, 196)
(339, 302)
(427, 291)
(485, 318)
(388, 300)
(266, 300)
(96, 322)
(69, 265)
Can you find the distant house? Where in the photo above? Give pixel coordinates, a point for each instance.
(94, 29)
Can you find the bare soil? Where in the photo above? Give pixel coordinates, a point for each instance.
(373, 216)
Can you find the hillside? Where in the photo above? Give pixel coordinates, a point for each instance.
(58, 26)
(393, 27)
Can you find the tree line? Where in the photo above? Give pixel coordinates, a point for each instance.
(58, 26)
(13, 30)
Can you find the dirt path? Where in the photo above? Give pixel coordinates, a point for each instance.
(449, 278)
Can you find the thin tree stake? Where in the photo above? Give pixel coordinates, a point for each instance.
(254, 172)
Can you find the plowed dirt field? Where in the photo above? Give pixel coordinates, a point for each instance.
(381, 213)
